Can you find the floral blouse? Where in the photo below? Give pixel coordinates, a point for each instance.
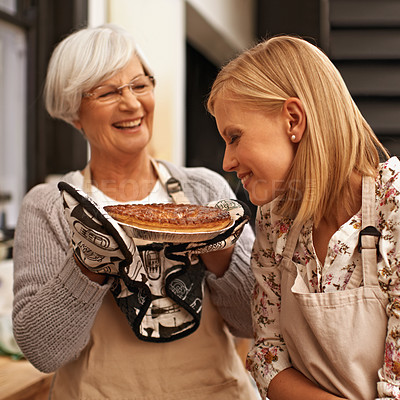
(269, 356)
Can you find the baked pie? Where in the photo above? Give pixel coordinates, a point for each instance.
(171, 217)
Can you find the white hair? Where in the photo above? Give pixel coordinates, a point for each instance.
(81, 61)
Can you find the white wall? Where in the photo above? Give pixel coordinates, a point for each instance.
(12, 118)
(217, 28)
(97, 12)
(220, 28)
(158, 27)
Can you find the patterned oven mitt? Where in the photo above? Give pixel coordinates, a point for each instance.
(99, 243)
(240, 214)
(158, 286)
(102, 246)
(175, 276)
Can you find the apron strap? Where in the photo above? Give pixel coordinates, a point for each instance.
(171, 185)
(369, 236)
(368, 239)
(292, 240)
(87, 180)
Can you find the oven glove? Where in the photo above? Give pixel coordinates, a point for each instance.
(163, 300)
(240, 214)
(99, 243)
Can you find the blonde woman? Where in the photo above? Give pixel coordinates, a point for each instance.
(326, 256)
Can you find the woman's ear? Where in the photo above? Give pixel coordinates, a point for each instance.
(296, 118)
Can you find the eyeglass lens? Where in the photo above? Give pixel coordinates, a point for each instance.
(109, 93)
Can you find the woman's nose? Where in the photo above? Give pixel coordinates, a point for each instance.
(129, 99)
(230, 162)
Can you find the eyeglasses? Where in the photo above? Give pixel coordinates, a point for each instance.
(139, 86)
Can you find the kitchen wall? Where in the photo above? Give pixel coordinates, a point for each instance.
(12, 120)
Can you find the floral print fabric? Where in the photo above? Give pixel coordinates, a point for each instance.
(269, 355)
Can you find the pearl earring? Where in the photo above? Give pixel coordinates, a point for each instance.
(293, 138)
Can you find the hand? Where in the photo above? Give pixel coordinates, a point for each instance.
(99, 243)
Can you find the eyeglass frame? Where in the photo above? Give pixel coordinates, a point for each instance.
(120, 88)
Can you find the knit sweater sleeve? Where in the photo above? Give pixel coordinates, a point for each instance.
(232, 292)
(54, 303)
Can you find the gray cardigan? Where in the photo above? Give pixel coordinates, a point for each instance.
(55, 304)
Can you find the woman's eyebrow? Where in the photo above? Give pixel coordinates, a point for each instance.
(137, 76)
(115, 85)
(231, 130)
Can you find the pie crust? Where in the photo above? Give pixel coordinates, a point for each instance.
(171, 217)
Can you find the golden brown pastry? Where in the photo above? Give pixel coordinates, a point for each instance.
(171, 217)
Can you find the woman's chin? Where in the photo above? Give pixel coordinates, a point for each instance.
(259, 200)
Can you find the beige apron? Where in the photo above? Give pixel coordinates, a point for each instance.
(116, 365)
(337, 339)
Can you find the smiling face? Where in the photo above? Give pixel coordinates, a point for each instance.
(259, 146)
(118, 130)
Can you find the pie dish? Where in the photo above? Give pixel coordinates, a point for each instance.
(170, 222)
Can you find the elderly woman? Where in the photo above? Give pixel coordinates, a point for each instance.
(68, 317)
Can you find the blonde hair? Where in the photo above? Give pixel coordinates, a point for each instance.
(81, 61)
(337, 140)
